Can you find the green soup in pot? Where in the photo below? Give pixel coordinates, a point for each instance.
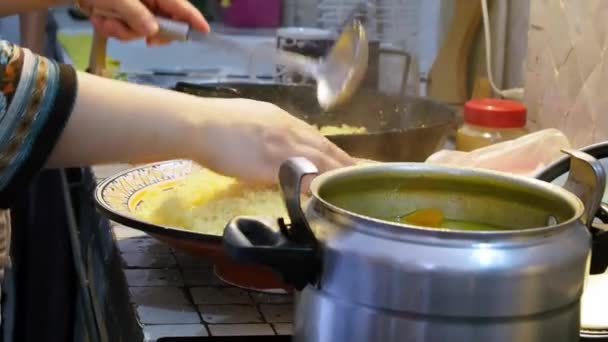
(467, 203)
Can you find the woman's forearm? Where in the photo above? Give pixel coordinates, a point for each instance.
(114, 121)
(118, 122)
(20, 6)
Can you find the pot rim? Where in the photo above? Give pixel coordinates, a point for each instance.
(372, 225)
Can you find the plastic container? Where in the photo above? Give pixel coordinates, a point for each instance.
(490, 121)
(251, 13)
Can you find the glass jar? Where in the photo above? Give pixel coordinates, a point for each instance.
(490, 121)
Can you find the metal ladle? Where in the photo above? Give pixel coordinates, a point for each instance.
(338, 74)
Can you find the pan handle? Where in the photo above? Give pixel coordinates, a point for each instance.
(407, 62)
(208, 90)
(251, 240)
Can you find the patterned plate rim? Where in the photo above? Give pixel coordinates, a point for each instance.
(132, 221)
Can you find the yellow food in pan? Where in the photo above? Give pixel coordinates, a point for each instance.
(205, 201)
(343, 129)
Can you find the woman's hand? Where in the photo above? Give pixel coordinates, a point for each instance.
(137, 17)
(249, 140)
(120, 122)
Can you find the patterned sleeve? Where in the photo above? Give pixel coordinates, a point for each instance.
(36, 98)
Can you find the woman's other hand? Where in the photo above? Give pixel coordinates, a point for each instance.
(249, 140)
(137, 18)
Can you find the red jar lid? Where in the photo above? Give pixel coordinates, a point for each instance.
(495, 113)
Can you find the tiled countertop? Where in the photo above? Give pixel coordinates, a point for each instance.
(175, 294)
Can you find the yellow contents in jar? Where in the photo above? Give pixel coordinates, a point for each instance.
(490, 121)
(469, 137)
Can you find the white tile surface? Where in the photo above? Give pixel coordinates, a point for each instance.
(153, 277)
(221, 314)
(167, 314)
(153, 332)
(264, 298)
(141, 260)
(202, 277)
(240, 329)
(163, 306)
(143, 244)
(277, 313)
(283, 328)
(220, 295)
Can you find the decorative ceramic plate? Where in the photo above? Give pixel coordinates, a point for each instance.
(119, 197)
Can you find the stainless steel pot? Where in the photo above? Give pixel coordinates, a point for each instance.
(363, 278)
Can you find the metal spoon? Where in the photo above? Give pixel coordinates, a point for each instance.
(338, 74)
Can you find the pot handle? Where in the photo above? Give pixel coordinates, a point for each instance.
(290, 249)
(291, 174)
(251, 240)
(587, 180)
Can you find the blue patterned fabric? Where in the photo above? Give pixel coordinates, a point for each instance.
(28, 88)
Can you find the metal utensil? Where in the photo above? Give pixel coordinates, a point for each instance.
(338, 75)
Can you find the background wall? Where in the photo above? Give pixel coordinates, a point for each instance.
(566, 74)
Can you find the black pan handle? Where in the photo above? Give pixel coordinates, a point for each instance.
(208, 90)
(252, 240)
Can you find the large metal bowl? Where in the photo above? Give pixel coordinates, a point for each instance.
(399, 128)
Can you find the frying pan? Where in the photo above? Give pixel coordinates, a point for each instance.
(399, 128)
